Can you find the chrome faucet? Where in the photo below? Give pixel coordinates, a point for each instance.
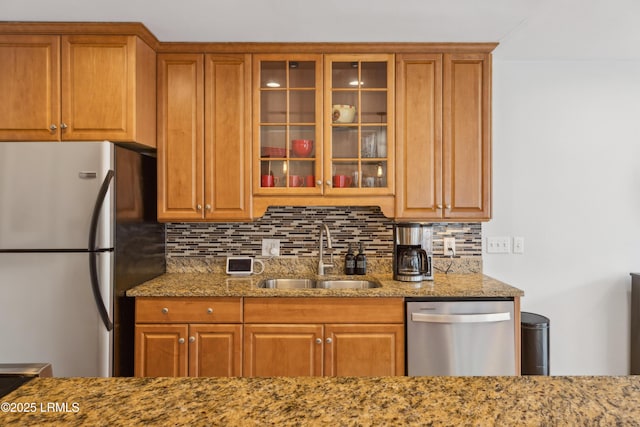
(321, 264)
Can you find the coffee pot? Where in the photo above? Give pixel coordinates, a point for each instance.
(412, 252)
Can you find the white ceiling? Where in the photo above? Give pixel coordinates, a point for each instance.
(526, 29)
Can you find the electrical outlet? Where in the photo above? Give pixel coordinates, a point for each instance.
(498, 245)
(518, 245)
(270, 247)
(449, 244)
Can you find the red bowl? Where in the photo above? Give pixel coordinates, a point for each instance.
(302, 147)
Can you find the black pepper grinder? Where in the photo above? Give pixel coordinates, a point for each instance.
(361, 261)
(349, 262)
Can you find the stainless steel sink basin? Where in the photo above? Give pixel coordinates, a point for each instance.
(287, 283)
(319, 284)
(346, 284)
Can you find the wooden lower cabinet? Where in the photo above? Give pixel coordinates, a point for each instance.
(323, 337)
(364, 350)
(187, 337)
(329, 350)
(279, 337)
(160, 351)
(188, 350)
(282, 350)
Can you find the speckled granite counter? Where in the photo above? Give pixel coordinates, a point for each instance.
(502, 401)
(219, 284)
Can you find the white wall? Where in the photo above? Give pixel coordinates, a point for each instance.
(566, 168)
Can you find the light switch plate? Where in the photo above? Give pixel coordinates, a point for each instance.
(498, 245)
(518, 245)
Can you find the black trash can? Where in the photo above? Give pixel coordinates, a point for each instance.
(534, 356)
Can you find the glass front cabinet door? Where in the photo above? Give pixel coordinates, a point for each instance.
(358, 124)
(323, 130)
(288, 130)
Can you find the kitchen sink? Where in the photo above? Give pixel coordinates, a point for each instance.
(318, 284)
(346, 284)
(287, 283)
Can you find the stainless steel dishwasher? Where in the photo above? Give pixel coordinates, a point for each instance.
(460, 337)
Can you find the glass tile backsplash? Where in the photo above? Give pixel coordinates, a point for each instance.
(298, 230)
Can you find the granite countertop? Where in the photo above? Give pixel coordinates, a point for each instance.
(217, 284)
(345, 401)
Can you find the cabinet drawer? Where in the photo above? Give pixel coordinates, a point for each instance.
(324, 310)
(188, 310)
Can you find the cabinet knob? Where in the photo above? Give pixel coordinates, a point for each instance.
(209, 310)
(318, 341)
(329, 340)
(329, 183)
(199, 207)
(439, 206)
(207, 207)
(165, 310)
(53, 127)
(319, 182)
(448, 207)
(181, 341)
(192, 339)
(63, 126)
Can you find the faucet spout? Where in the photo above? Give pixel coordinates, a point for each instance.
(324, 229)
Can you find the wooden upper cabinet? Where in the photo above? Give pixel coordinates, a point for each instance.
(444, 137)
(227, 137)
(204, 137)
(30, 87)
(419, 136)
(467, 136)
(180, 136)
(77, 88)
(108, 89)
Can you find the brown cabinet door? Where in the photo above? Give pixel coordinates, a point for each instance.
(30, 88)
(180, 137)
(215, 350)
(98, 83)
(364, 350)
(227, 137)
(161, 351)
(419, 133)
(467, 136)
(282, 350)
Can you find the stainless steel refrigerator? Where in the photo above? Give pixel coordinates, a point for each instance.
(77, 229)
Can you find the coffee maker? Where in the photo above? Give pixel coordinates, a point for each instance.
(412, 252)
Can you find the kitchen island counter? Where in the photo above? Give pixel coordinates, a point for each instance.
(326, 401)
(221, 285)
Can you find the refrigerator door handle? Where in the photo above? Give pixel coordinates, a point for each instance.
(93, 269)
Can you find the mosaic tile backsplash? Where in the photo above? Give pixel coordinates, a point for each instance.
(298, 230)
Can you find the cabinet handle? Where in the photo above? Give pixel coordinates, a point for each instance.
(448, 207)
(209, 310)
(439, 206)
(318, 341)
(207, 207)
(165, 310)
(329, 340)
(192, 339)
(329, 183)
(53, 127)
(181, 341)
(198, 207)
(319, 182)
(63, 126)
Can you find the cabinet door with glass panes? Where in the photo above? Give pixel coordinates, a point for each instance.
(358, 124)
(287, 128)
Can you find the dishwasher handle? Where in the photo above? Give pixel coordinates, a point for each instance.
(461, 318)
